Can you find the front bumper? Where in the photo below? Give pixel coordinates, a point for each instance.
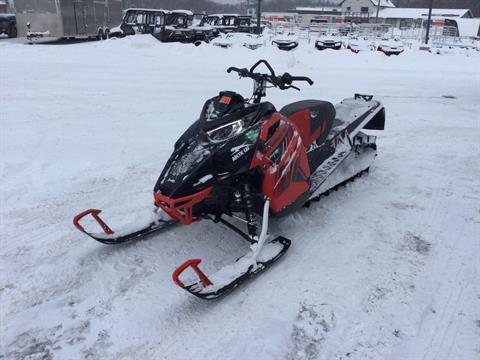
(181, 209)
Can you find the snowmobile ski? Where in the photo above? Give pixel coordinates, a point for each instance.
(231, 276)
(109, 237)
(262, 255)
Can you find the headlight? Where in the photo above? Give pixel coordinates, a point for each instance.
(225, 132)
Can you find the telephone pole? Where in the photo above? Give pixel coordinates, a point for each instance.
(378, 10)
(429, 22)
(259, 16)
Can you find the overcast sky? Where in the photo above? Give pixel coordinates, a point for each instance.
(228, 1)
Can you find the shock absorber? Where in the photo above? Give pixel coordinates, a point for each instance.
(249, 212)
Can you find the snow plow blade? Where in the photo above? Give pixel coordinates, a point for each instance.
(231, 276)
(109, 237)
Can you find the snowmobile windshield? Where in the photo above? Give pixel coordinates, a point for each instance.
(225, 132)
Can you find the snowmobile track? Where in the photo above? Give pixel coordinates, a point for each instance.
(338, 186)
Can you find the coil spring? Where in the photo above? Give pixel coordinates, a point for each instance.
(249, 212)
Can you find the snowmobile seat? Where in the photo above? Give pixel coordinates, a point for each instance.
(314, 119)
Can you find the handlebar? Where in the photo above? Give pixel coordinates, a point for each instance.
(265, 62)
(283, 82)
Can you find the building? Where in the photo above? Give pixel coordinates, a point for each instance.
(360, 11)
(323, 14)
(280, 17)
(3, 7)
(414, 18)
(466, 27)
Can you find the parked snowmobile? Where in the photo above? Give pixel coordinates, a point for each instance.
(286, 42)
(244, 160)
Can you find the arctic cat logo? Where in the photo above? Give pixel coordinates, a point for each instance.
(239, 151)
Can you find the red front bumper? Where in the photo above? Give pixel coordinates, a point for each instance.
(181, 209)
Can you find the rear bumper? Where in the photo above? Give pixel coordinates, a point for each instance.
(38, 35)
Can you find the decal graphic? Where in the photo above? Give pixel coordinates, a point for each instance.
(239, 151)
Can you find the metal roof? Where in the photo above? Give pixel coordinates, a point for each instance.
(419, 13)
(382, 3)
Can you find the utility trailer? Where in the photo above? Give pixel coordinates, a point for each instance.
(67, 18)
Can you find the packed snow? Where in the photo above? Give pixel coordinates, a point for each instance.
(385, 268)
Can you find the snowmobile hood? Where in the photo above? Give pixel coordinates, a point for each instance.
(187, 168)
(198, 159)
(197, 163)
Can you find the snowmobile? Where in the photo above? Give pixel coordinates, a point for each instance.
(327, 42)
(243, 161)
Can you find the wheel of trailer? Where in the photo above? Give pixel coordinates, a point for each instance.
(106, 34)
(100, 34)
(197, 43)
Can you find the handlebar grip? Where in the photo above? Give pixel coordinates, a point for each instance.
(302, 78)
(242, 72)
(232, 68)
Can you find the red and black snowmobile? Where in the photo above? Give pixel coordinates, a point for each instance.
(245, 161)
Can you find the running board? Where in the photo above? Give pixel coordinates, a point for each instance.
(359, 159)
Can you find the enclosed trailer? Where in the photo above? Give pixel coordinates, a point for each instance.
(67, 18)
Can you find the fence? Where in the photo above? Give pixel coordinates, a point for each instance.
(439, 35)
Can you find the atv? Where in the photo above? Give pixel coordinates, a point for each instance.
(243, 161)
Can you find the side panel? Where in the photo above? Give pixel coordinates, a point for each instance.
(114, 13)
(100, 12)
(64, 18)
(84, 17)
(80, 12)
(283, 160)
(67, 8)
(43, 16)
(91, 27)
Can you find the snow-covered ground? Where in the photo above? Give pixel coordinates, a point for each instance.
(385, 268)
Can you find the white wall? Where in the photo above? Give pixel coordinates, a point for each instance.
(356, 5)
